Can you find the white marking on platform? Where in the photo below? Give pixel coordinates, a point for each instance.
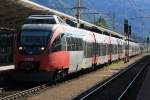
(4, 68)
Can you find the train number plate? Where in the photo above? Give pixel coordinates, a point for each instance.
(29, 59)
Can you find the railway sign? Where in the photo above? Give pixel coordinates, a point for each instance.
(126, 28)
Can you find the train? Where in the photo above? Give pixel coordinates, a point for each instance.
(47, 49)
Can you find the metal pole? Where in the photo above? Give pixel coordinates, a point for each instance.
(113, 22)
(126, 40)
(128, 49)
(78, 13)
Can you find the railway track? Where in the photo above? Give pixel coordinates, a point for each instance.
(119, 86)
(14, 91)
(23, 94)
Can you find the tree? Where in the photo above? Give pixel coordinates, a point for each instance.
(101, 22)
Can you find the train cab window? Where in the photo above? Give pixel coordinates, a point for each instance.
(59, 44)
(56, 46)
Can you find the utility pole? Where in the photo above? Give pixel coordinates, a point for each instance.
(113, 22)
(78, 13)
(147, 42)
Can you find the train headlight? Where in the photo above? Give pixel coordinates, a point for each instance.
(42, 48)
(20, 48)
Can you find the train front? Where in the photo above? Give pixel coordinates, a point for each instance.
(31, 59)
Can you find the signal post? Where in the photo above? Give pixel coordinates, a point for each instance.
(127, 32)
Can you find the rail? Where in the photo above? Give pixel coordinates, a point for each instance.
(24, 93)
(101, 87)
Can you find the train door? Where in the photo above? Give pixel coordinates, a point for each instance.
(110, 50)
(94, 51)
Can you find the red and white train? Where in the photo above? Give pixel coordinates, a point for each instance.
(48, 49)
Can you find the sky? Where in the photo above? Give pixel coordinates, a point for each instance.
(133, 10)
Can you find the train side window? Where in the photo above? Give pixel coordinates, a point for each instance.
(84, 48)
(90, 50)
(113, 49)
(68, 45)
(103, 49)
(75, 44)
(64, 44)
(87, 49)
(99, 49)
(72, 44)
(116, 49)
(106, 45)
(80, 44)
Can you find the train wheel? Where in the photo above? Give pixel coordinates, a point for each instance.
(60, 74)
(64, 73)
(57, 76)
(93, 67)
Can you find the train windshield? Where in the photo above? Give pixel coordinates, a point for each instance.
(35, 37)
(41, 21)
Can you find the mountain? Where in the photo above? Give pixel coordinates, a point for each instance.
(60, 5)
